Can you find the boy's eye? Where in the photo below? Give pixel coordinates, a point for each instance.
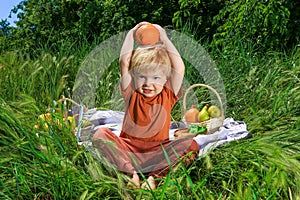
(141, 77)
(156, 77)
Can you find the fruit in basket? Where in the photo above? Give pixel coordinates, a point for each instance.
(72, 121)
(203, 114)
(214, 111)
(46, 116)
(191, 115)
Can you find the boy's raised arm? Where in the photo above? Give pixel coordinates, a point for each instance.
(176, 60)
(124, 60)
(125, 56)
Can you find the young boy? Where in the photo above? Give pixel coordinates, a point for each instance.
(150, 85)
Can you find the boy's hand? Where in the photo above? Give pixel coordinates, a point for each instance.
(125, 55)
(162, 33)
(138, 26)
(176, 60)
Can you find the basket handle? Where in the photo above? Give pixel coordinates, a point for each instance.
(73, 102)
(208, 87)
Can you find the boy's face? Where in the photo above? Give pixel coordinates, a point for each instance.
(150, 83)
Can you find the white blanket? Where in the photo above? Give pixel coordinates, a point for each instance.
(235, 130)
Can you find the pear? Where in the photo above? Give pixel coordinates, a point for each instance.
(214, 111)
(46, 116)
(72, 121)
(203, 114)
(46, 127)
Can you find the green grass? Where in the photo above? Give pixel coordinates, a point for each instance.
(263, 89)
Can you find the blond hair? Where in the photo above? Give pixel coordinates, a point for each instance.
(150, 59)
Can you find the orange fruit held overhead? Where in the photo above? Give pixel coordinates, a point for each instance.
(147, 34)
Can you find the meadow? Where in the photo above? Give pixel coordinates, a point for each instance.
(262, 89)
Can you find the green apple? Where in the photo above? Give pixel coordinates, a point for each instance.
(214, 111)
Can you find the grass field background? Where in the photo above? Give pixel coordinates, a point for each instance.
(262, 89)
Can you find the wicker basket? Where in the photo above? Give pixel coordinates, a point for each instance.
(212, 124)
(78, 117)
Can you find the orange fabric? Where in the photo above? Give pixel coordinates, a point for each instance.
(150, 158)
(144, 144)
(147, 119)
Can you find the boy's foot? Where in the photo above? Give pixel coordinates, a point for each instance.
(134, 183)
(149, 184)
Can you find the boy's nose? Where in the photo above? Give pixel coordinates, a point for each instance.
(146, 84)
(147, 81)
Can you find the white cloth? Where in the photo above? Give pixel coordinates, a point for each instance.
(234, 130)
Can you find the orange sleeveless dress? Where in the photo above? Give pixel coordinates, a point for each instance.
(144, 144)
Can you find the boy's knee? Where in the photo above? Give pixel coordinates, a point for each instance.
(100, 133)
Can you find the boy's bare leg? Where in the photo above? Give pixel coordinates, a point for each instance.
(135, 181)
(149, 184)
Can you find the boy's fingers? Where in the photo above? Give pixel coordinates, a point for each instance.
(144, 22)
(162, 32)
(161, 29)
(140, 24)
(137, 26)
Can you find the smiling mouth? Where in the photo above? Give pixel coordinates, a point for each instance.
(147, 91)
